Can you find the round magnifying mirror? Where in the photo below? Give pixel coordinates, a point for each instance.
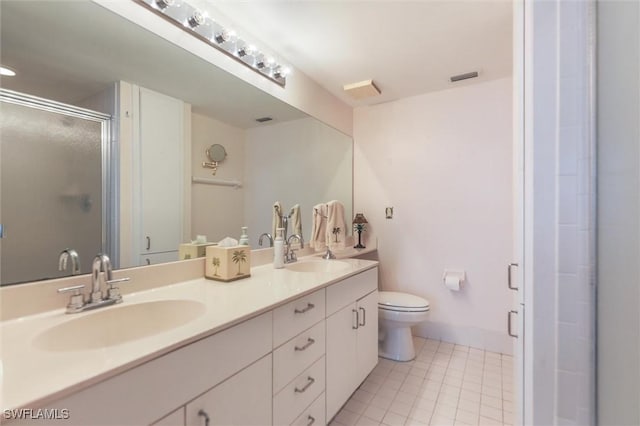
(216, 153)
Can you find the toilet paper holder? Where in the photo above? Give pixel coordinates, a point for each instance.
(453, 278)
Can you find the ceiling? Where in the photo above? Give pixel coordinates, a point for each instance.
(406, 47)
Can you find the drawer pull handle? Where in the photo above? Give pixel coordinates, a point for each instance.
(311, 420)
(364, 317)
(509, 331)
(509, 283)
(310, 342)
(204, 414)
(355, 327)
(310, 381)
(308, 308)
(148, 243)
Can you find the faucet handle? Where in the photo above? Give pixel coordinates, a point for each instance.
(113, 292)
(76, 301)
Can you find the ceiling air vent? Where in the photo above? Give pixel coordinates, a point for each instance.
(263, 119)
(361, 90)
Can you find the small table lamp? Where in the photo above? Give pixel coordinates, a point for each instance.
(359, 223)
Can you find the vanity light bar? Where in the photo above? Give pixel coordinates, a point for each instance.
(201, 26)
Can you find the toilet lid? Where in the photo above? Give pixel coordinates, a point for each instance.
(396, 301)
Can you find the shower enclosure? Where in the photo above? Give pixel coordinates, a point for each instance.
(54, 186)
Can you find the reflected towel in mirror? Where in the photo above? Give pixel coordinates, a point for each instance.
(319, 227)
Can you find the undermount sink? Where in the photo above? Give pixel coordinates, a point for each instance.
(318, 266)
(119, 324)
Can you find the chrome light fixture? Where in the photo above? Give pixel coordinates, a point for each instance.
(201, 26)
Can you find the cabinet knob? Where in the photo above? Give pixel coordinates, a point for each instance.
(311, 420)
(204, 414)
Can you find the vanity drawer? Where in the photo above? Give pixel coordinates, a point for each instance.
(353, 288)
(291, 401)
(312, 415)
(293, 357)
(294, 317)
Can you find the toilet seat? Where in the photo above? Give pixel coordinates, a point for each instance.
(401, 302)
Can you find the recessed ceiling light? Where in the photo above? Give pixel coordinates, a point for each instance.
(7, 72)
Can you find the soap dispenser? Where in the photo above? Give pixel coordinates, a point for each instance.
(278, 249)
(244, 238)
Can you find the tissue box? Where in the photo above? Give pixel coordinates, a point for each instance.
(192, 250)
(228, 263)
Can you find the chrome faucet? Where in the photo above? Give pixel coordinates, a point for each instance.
(290, 254)
(65, 255)
(101, 263)
(265, 234)
(100, 272)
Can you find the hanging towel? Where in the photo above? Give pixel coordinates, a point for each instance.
(277, 218)
(296, 220)
(319, 226)
(336, 226)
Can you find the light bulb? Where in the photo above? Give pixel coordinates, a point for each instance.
(222, 36)
(247, 49)
(281, 72)
(163, 4)
(196, 19)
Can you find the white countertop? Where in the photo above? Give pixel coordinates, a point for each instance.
(33, 377)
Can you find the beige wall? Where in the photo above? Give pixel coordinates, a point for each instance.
(217, 211)
(443, 161)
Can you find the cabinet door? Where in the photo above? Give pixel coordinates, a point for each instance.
(243, 399)
(342, 364)
(161, 138)
(367, 335)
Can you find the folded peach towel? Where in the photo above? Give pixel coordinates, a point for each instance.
(336, 226)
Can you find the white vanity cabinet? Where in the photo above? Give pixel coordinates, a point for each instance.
(298, 357)
(352, 336)
(296, 364)
(243, 399)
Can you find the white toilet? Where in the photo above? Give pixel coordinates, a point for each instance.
(397, 312)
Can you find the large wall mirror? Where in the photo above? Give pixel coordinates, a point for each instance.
(77, 53)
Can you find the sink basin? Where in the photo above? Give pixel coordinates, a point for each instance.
(114, 325)
(318, 266)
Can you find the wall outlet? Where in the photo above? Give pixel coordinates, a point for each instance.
(388, 212)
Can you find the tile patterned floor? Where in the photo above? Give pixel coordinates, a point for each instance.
(446, 384)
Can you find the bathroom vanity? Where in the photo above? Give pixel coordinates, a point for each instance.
(286, 346)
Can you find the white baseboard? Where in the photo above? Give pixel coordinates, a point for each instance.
(488, 340)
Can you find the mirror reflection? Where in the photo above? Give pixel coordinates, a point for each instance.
(166, 108)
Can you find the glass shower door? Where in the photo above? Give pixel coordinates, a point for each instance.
(51, 191)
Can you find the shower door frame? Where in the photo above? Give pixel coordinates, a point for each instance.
(109, 164)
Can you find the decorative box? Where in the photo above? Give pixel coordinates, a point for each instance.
(228, 263)
(192, 250)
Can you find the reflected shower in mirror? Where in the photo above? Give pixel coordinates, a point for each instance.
(107, 64)
(52, 188)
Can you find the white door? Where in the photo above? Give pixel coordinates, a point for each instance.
(342, 363)
(367, 351)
